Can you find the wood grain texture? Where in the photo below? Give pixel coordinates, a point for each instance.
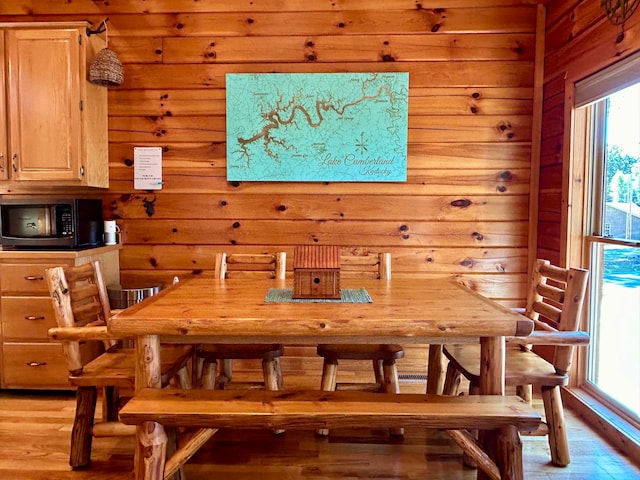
(206, 307)
(41, 423)
(314, 409)
(579, 42)
(464, 207)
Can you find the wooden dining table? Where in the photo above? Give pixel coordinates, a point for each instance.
(402, 310)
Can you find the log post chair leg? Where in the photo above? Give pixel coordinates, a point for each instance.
(554, 412)
(474, 389)
(81, 434)
(391, 385)
(435, 369)
(110, 403)
(525, 392)
(451, 381)
(225, 372)
(183, 378)
(328, 384)
(378, 373)
(273, 379)
(209, 375)
(198, 366)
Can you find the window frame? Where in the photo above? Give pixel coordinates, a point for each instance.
(582, 222)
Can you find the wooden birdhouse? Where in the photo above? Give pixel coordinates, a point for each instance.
(316, 271)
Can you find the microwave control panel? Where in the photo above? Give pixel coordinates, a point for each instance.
(66, 220)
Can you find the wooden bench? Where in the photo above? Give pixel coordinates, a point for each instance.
(318, 409)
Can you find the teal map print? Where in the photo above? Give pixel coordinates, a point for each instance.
(345, 127)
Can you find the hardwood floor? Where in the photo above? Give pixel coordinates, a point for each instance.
(35, 429)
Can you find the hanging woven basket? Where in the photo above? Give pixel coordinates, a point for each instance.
(106, 69)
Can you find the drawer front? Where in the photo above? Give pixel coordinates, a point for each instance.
(24, 278)
(27, 318)
(32, 365)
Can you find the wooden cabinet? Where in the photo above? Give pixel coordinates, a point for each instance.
(55, 124)
(28, 359)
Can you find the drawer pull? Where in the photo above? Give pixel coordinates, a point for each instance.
(36, 364)
(33, 317)
(33, 277)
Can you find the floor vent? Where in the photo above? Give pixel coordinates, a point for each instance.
(411, 378)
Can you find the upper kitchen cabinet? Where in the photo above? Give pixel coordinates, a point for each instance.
(55, 130)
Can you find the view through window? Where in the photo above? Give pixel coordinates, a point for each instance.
(614, 320)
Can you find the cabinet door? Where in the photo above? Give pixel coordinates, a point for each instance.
(4, 166)
(44, 103)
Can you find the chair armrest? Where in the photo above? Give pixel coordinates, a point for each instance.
(81, 333)
(552, 338)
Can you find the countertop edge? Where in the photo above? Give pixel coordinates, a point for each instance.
(61, 253)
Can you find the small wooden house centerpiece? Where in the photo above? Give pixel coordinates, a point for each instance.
(316, 271)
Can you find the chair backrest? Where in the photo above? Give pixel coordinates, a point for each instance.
(240, 265)
(366, 265)
(80, 299)
(554, 301)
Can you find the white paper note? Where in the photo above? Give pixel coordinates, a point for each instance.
(147, 168)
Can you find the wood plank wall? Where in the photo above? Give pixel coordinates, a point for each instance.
(580, 41)
(464, 209)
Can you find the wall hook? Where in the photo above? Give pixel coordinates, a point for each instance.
(101, 28)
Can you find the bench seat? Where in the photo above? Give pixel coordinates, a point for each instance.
(210, 410)
(318, 409)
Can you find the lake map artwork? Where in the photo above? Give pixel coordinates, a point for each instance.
(338, 127)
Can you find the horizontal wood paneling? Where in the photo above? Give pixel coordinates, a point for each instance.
(591, 49)
(422, 101)
(450, 156)
(351, 48)
(464, 209)
(508, 73)
(314, 207)
(579, 41)
(422, 182)
(405, 260)
(169, 6)
(507, 19)
(284, 232)
(442, 128)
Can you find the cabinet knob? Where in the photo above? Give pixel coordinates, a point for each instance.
(36, 364)
(13, 164)
(33, 278)
(34, 317)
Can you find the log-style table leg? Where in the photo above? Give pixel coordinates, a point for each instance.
(151, 442)
(502, 445)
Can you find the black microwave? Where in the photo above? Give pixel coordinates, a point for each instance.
(51, 223)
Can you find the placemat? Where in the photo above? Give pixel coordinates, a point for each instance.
(349, 295)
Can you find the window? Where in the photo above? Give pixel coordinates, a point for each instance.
(610, 104)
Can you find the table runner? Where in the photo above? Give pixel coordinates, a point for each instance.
(349, 295)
